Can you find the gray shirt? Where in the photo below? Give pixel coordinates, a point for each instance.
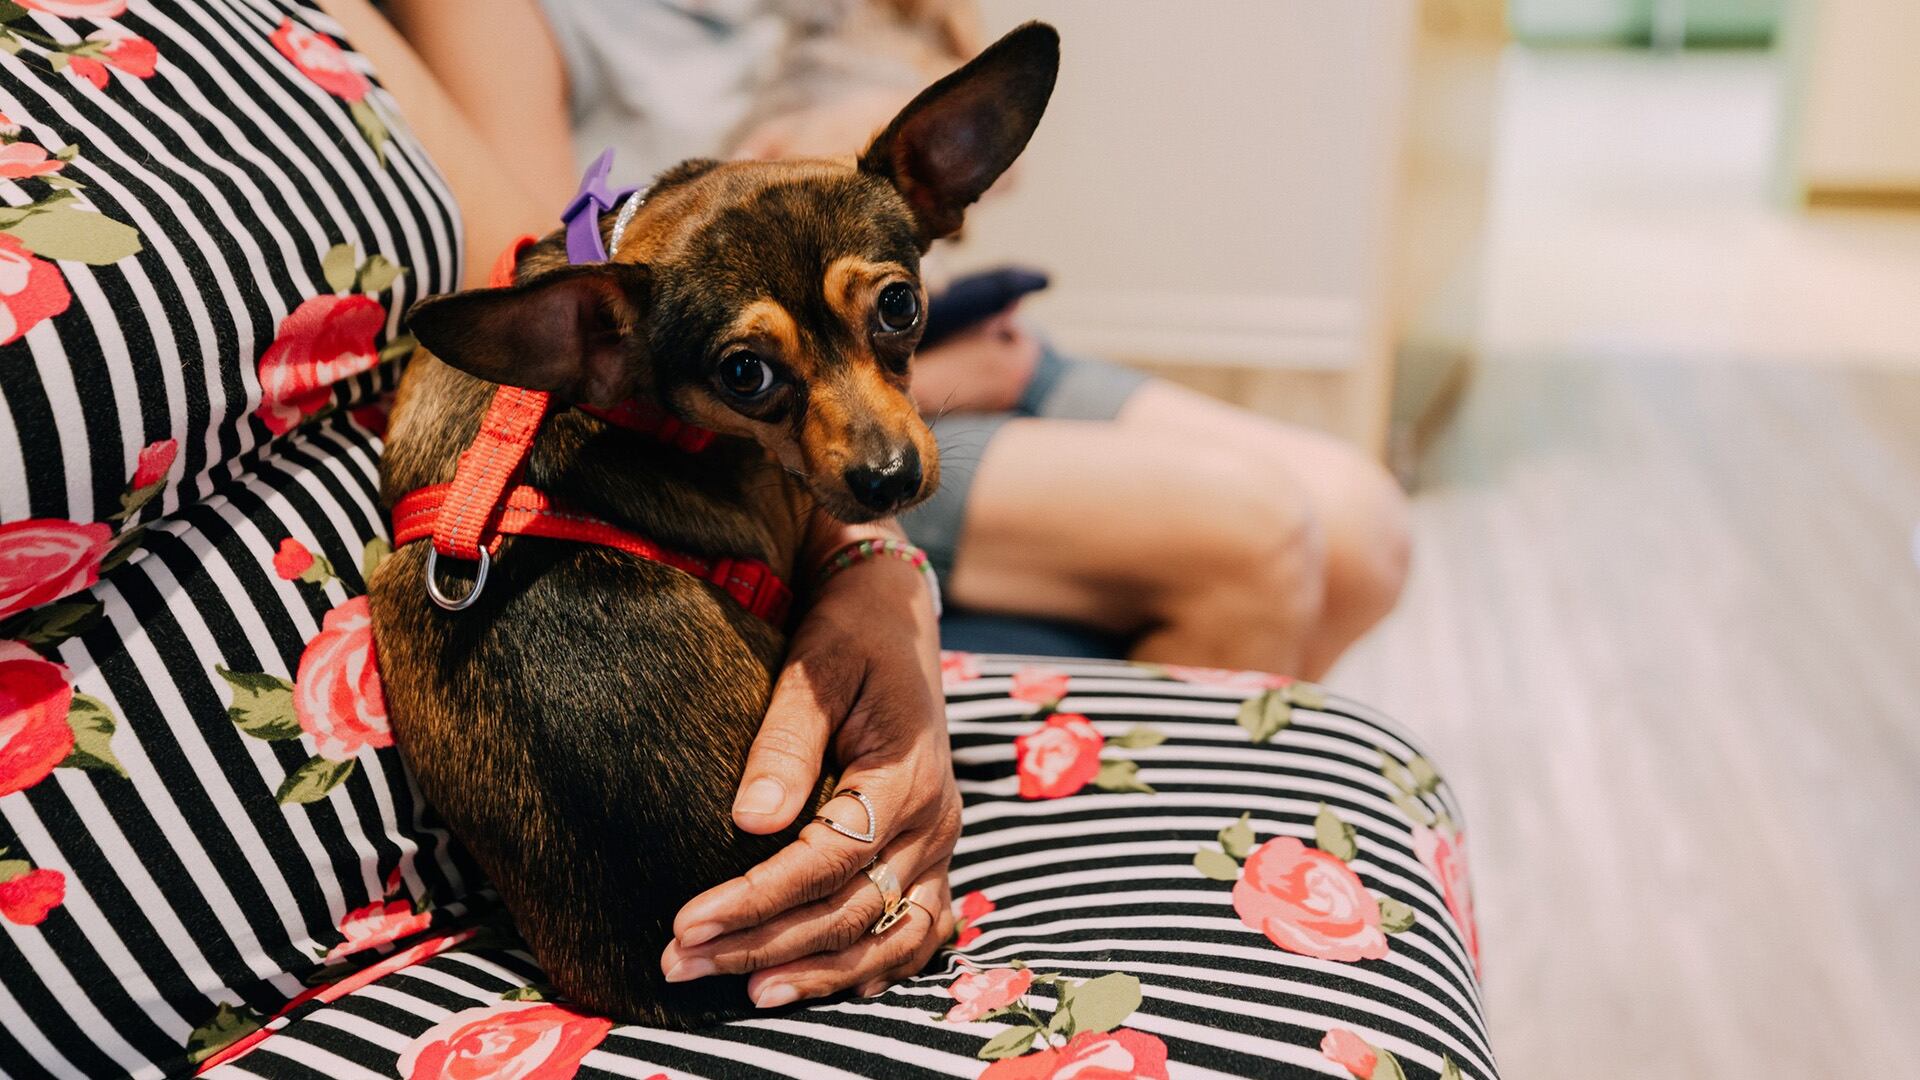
(660, 81)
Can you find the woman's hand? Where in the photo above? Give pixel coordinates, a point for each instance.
(862, 671)
(984, 368)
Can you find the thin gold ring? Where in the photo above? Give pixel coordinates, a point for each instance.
(913, 897)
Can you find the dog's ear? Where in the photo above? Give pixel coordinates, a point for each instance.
(571, 331)
(949, 144)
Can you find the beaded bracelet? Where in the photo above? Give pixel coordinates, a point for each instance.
(863, 550)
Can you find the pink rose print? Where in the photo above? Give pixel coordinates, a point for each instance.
(1226, 678)
(970, 910)
(373, 415)
(1445, 857)
(520, 1040)
(378, 924)
(1349, 1051)
(1059, 758)
(371, 973)
(978, 993)
(154, 463)
(23, 159)
(974, 905)
(320, 60)
(1121, 1054)
(957, 668)
(77, 9)
(292, 559)
(1039, 685)
(30, 290)
(1308, 902)
(91, 70)
(44, 559)
(336, 693)
(27, 899)
(325, 339)
(129, 53)
(35, 695)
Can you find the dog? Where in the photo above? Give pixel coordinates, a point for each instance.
(582, 725)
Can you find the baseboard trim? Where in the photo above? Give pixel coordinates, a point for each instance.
(1864, 198)
(1315, 333)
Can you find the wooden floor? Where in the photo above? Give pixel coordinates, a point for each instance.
(1663, 630)
(1664, 633)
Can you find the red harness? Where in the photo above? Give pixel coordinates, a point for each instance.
(468, 518)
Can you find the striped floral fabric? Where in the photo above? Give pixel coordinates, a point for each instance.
(210, 225)
(221, 815)
(211, 859)
(1223, 874)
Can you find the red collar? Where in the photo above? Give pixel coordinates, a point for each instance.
(467, 518)
(649, 419)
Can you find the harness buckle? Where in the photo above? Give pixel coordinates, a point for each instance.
(464, 602)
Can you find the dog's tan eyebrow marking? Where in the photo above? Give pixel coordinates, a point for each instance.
(849, 282)
(767, 318)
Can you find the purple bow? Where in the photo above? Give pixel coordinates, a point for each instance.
(582, 216)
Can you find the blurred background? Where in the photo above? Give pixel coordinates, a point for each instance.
(1628, 291)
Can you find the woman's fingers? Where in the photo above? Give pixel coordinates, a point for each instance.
(905, 948)
(937, 897)
(828, 926)
(813, 692)
(817, 863)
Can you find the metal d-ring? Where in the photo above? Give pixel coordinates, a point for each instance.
(465, 602)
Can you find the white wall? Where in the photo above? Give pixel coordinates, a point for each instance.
(1855, 82)
(1213, 182)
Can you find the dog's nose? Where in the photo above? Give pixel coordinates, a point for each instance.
(885, 485)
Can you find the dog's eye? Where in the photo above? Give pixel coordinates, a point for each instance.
(898, 308)
(745, 375)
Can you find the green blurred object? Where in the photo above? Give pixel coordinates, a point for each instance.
(1643, 22)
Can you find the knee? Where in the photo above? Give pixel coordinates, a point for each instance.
(1376, 545)
(1281, 548)
(1255, 548)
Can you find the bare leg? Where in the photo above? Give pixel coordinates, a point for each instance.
(1359, 507)
(1216, 537)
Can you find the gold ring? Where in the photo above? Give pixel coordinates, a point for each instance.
(892, 907)
(913, 897)
(873, 819)
(886, 881)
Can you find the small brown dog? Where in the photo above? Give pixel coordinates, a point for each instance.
(583, 724)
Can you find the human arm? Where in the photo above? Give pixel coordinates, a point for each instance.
(497, 204)
(525, 119)
(862, 676)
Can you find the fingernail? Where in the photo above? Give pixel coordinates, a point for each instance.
(763, 796)
(687, 970)
(697, 935)
(772, 997)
